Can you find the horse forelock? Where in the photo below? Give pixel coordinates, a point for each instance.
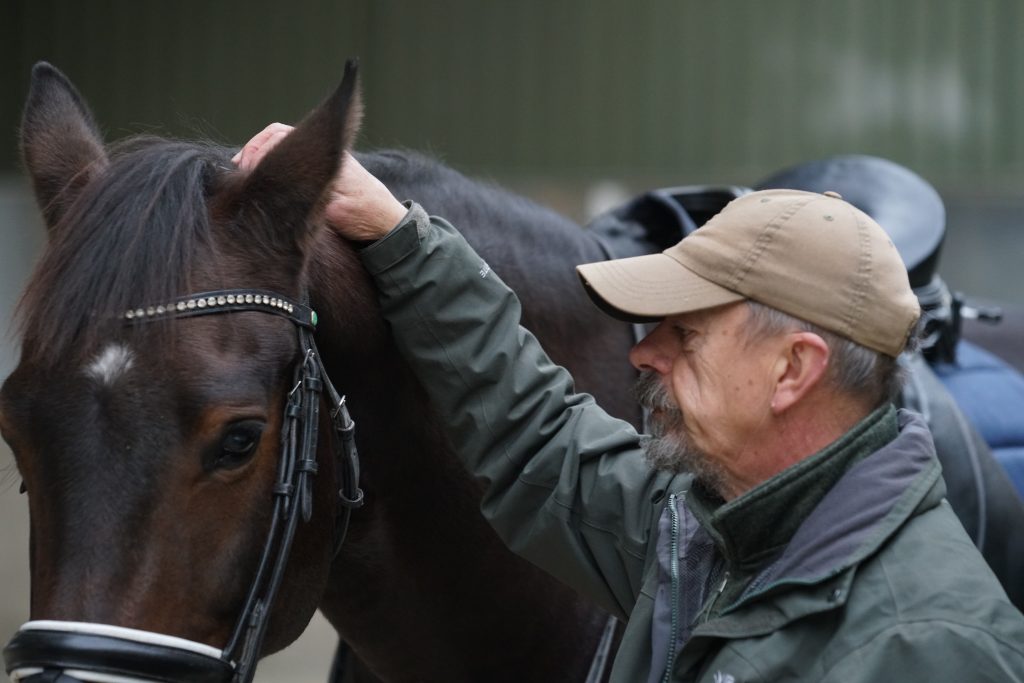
(131, 238)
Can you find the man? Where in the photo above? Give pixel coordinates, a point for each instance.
(792, 526)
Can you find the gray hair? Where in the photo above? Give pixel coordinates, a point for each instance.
(852, 369)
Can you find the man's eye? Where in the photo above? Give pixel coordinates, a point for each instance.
(682, 333)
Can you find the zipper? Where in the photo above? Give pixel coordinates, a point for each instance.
(673, 512)
(714, 598)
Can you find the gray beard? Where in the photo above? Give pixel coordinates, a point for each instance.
(668, 447)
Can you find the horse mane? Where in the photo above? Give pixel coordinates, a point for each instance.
(126, 241)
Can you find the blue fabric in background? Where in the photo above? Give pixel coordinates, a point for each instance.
(991, 394)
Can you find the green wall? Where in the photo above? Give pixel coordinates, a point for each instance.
(680, 90)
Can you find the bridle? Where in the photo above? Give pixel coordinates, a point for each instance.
(60, 651)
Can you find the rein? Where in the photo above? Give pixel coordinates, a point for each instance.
(44, 651)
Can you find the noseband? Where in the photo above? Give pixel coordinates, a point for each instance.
(45, 651)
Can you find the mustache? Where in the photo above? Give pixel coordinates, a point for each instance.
(651, 394)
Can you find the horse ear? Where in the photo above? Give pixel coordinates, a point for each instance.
(60, 143)
(290, 183)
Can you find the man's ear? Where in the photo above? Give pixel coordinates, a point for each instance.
(290, 184)
(60, 143)
(800, 368)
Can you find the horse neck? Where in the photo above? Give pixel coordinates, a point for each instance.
(422, 573)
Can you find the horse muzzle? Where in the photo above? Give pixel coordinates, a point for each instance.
(70, 651)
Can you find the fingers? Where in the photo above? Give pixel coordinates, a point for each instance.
(253, 152)
(361, 207)
(352, 174)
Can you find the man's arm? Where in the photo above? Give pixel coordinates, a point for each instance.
(566, 485)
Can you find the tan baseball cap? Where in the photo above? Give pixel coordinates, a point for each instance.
(813, 256)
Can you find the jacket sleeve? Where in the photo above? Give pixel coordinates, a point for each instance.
(932, 650)
(565, 483)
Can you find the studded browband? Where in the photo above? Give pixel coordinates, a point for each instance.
(225, 300)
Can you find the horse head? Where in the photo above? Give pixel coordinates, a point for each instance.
(148, 437)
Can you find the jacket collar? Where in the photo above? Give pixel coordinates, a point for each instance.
(873, 499)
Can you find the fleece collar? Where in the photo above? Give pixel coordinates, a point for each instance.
(756, 526)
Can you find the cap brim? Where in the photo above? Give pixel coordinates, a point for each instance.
(647, 288)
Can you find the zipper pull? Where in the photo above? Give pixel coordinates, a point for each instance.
(712, 601)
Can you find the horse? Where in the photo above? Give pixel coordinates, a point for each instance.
(165, 410)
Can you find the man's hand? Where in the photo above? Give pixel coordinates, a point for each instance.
(359, 206)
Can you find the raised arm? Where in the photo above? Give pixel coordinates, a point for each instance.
(566, 484)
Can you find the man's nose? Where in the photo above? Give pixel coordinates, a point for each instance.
(649, 354)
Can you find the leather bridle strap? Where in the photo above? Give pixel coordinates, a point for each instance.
(293, 491)
(313, 377)
(98, 650)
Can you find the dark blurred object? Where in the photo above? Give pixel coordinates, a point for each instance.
(657, 219)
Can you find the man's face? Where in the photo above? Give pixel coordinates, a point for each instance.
(709, 389)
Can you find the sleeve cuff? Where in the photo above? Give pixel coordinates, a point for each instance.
(399, 243)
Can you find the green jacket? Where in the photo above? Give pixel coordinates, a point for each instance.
(878, 583)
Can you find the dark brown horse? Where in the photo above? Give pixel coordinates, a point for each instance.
(150, 451)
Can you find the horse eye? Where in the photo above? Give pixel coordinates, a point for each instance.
(238, 444)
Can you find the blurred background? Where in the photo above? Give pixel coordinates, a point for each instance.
(578, 104)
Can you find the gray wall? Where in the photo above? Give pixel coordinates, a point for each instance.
(20, 237)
